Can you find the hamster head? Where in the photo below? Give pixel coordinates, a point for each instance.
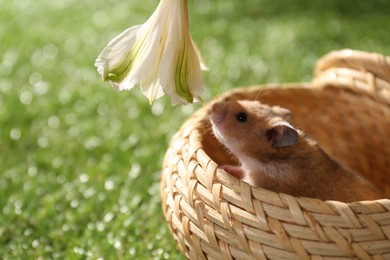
(251, 129)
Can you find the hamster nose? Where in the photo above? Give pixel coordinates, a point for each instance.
(218, 112)
(217, 107)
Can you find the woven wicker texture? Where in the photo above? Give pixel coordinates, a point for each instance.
(364, 71)
(213, 215)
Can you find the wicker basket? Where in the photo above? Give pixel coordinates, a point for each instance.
(213, 215)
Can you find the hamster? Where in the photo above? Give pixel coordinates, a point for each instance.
(276, 156)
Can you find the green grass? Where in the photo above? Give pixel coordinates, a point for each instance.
(79, 162)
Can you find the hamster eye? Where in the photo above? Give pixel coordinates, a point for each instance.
(241, 117)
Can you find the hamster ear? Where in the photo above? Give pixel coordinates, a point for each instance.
(282, 112)
(282, 135)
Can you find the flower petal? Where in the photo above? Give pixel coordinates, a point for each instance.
(152, 91)
(115, 61)
(195, 66)
(149, 48)
(203, 65)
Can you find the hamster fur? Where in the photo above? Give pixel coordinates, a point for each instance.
(276, 156)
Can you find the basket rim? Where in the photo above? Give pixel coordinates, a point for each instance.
(370, 62)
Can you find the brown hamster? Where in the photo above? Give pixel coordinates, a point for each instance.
(276, 156)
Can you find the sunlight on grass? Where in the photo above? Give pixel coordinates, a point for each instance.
(79, 165)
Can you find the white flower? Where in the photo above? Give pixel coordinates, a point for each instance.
(160, 55)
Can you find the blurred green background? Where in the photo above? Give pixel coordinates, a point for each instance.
(79, 162)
